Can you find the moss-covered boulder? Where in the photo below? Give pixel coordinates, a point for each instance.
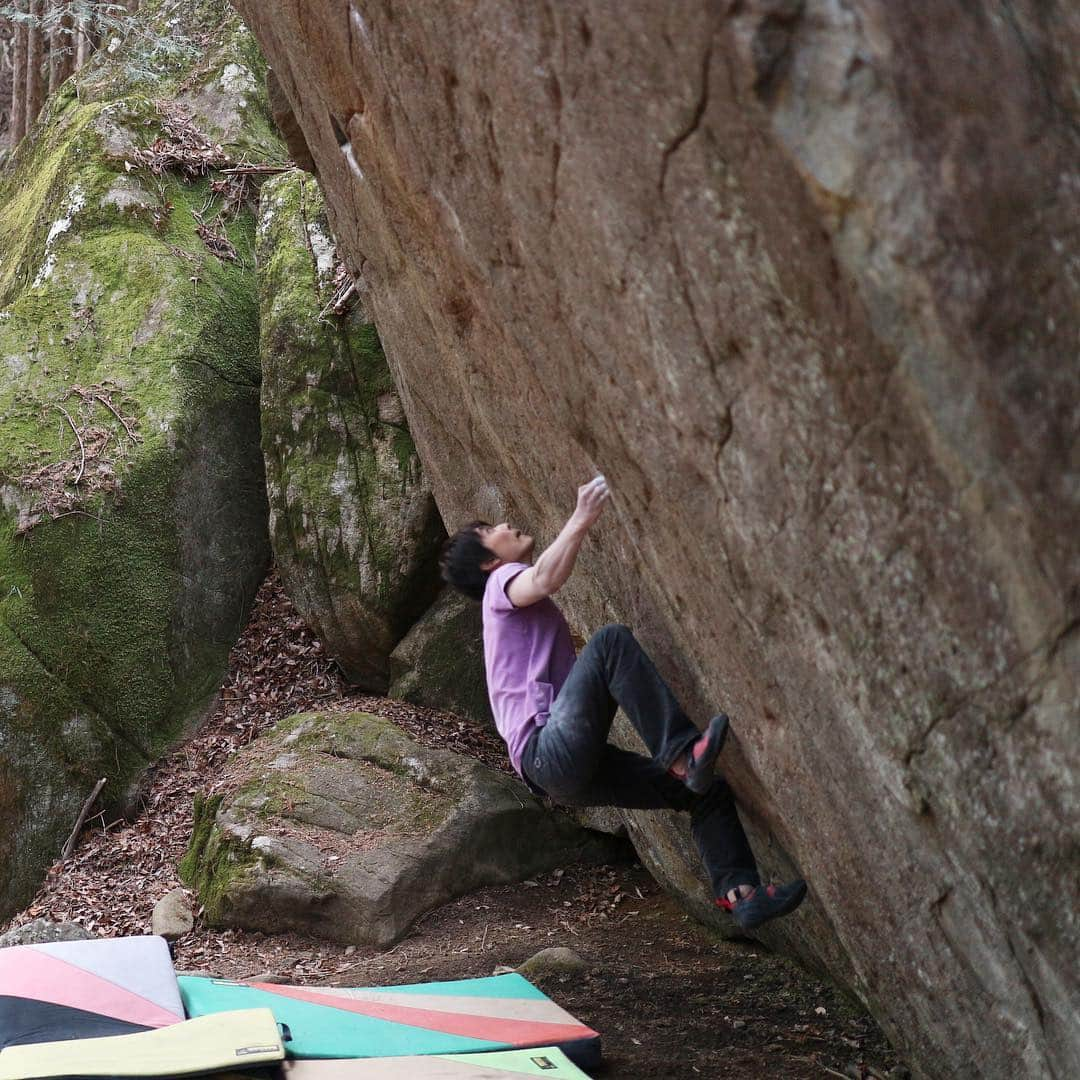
(341, 826)
(353, 525)
(132, 501)
(440, 662)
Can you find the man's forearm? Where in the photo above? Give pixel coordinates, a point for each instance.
(556, 563)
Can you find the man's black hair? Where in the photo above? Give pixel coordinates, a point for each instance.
(461, 557)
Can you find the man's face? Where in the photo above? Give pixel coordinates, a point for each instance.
(505, 543)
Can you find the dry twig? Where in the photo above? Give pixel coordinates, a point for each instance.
(132, 435)
(256, 170)
(82, 447)
(69, 846)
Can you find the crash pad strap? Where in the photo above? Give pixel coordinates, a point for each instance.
(502, 1065)
(241, 1039)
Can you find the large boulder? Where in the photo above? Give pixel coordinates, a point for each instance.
(132, 504)
(339, 825)
(799, 278)
(353, 525)
(440, 662)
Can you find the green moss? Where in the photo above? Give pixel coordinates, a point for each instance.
(225, 862)
(216, 863)
(342, 470)
(116, 619)
(205, 814)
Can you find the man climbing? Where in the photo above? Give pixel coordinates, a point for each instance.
(555, 709)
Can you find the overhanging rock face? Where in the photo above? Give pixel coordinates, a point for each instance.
(801, 281)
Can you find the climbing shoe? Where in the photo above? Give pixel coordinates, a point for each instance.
(701, 760)
(764, 903)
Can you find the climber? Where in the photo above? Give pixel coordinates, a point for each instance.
(554, 710)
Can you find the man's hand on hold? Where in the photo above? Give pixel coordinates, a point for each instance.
(555, 564)
(590, 501)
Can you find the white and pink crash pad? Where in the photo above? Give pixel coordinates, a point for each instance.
(501, 1012)
(502, 1065)
(86, 989)
(247, 1039)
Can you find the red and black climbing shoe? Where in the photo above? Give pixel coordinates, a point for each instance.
(764, 903)
(701, 761)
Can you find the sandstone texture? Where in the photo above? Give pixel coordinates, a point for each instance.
(132, 502)
(440, 662)
(800, 277)
(339, 825)
(354, 528)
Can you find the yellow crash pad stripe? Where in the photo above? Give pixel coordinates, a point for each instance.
(240, 1039)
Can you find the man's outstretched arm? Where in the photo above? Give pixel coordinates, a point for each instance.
(556, 562)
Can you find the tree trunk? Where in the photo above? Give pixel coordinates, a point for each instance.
(84, 50)
(18, 79)
(35, 53)
(61, 48)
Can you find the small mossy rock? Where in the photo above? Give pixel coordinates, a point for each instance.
(354, 528)
(44, 932)
(343, 827)
(132, 499)
(440, 662)
(555, 961)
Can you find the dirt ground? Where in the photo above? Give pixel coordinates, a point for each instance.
(668, 998)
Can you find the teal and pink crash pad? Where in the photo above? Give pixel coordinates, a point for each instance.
(500, 1065)
(86, 989)
(209, 1044)
(501, 1012)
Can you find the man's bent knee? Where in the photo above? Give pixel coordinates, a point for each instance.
(612, 633)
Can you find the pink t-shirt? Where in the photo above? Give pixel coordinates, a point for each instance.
(528, 653)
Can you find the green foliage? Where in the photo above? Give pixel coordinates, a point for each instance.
(148, 53)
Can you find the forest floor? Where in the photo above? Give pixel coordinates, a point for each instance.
(669, 998)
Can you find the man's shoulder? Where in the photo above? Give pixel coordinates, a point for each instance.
(499, 578)
(507, 571)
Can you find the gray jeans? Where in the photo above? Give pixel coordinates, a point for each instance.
(571, 761)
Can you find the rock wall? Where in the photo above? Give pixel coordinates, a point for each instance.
(132, 501)
(354, 528)
(800, 277)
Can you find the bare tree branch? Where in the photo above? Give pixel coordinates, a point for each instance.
(69, 847)
(35, 54)
(18, 79)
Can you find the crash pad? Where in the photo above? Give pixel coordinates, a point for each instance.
(501, 1065)
(86, 989)
(191, 1048)
(501, 1012)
